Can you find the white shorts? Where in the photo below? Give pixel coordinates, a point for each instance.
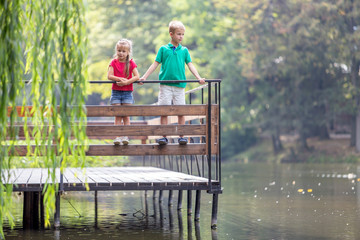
(171, 95)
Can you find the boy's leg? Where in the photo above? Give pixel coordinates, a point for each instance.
(163, 120)
(181, 121)
(163, 140)
(179, 99)
(165, 97)
(182, 140)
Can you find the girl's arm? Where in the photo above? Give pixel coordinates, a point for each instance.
(135, 77)
(112, 77)
(195, 73)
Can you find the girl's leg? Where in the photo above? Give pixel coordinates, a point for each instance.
(126, 121)
(118, 120)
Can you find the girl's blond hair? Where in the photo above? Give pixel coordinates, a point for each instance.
(128, 44)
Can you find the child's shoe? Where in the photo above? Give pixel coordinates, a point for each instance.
(125, 140)
(182, 141)
(162, 141)
(117, 141)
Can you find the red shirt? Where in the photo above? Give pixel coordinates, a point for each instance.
(119, 71)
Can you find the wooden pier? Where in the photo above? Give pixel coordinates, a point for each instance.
(192, 167)
(109, 179)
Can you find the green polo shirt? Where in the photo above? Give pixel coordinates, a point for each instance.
(173, 63)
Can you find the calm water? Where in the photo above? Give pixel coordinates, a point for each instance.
(260, 201)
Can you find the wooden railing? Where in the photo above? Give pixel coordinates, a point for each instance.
(109, 132)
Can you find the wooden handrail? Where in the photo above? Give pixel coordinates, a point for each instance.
(130, 150)
(132, 130)
(142, 130)
(133, 110)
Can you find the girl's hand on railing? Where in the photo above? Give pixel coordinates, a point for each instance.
(121, 79)
(202, 80)
(122, 82)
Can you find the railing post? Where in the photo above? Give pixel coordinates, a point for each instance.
(96, 208)
(219, 143)
(160, 196)
(170, 202)
(217, 155)
(180, 199)
(57, 198)
(57, 210)
(189, 202)
(202, 138)
(208, 140)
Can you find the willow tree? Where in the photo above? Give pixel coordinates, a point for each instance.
(44, 42)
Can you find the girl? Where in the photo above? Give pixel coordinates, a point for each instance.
(123, 71)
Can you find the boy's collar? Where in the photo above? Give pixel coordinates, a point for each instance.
(171, 45)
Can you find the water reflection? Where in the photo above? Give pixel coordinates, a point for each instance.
(189, 227)
(260, 201)
(181, 228)
(171, 219)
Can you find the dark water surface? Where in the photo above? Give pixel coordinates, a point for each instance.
(260, 201)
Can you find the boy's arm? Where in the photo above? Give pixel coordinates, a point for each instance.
(150, 71)
(195, 73)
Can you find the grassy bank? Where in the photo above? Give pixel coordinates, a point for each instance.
(335, 150)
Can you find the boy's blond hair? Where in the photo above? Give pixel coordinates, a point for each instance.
(173, 25)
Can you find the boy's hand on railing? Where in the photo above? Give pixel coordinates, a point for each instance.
(140, 82)
(202, 80)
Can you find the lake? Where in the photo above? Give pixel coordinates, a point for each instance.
(260, 201)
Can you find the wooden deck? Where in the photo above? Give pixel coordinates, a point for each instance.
(203, 125)
(109, 178)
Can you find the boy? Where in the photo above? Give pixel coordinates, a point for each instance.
(173, 57)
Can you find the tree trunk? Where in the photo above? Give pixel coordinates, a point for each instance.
(355, 79)
(357, 130)
(277, 145)
(353, 131)
(323, 132)
(303, 139)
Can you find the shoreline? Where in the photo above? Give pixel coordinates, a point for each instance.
(337, 149)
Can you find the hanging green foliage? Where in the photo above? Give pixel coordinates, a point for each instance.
(10, 73)
(49, 36)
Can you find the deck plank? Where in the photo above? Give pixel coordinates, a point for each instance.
(24, 177)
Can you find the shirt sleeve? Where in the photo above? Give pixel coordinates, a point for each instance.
(159, 56)
(111, 63)
(132, 64)
(187, 57)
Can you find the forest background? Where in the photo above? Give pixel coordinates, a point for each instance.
(288, 68)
